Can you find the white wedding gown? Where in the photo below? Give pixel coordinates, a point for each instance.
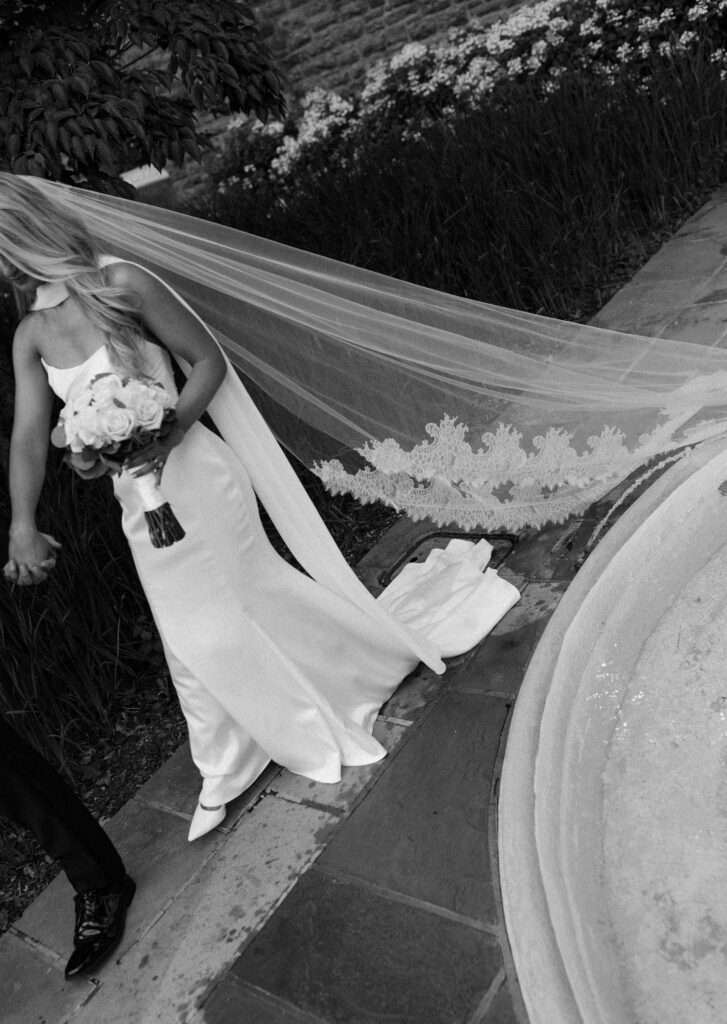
(268, 663)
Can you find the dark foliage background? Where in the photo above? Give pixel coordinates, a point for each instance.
(90, 88)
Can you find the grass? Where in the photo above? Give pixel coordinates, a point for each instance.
(76, 647)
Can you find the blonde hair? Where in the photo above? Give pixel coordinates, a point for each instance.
(41, 239)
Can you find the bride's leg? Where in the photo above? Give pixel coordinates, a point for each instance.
(228, 759)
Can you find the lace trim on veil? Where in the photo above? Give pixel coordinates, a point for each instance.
(505, 484)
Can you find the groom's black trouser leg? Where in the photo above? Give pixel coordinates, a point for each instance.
(33, 794)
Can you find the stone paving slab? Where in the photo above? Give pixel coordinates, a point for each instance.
(640, 308)
(422, 831)
(350, 955)
(702, 326)
(416, 693)
(688, 267)
(502, 1010)
(31, 984)
(175, 786)
(236, 1003)
(341, 796)
(172, 968)
(499, 665)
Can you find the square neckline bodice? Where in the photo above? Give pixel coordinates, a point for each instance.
(64, 380)
(76, 366)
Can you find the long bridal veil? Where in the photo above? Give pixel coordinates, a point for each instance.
(445, 407)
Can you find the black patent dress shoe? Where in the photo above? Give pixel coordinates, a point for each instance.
(100, 918)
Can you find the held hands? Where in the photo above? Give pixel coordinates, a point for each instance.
(31, 557)
(153, 456)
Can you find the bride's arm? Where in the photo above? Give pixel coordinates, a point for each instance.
(30, 553)
(180, 331)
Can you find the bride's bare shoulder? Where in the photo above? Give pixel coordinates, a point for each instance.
(130, 277)
(29, 329)
(27, 337)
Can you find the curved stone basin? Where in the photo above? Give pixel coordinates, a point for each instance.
(613, 803)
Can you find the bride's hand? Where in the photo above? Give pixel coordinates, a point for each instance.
(31, 556)
(153, 456)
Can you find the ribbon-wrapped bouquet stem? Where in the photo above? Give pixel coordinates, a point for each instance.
(109, 421)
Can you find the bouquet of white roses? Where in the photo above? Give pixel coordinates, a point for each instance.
(112, 418)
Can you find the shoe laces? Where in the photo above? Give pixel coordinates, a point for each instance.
(94, 913)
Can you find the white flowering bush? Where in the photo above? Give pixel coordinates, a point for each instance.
(533, 164)
(421, 84)
(542, 41)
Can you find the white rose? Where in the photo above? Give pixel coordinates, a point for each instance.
(149, 412)
(119, 423)
(107, 390)
(85, 429)
(74, 406)
(130, 392)
(162, 396)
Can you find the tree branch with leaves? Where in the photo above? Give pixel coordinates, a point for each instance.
(91, 88)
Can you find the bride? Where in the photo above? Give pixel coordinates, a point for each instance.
(268, 663)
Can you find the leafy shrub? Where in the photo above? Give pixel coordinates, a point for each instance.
(89, 89)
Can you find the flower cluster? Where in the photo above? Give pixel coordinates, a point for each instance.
(540, 41)
(112, 417)
(325, 116)
(109, 420)
(422, 83)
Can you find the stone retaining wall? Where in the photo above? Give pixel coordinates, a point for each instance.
(330, 43)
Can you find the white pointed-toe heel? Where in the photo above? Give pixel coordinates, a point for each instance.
(205, 819)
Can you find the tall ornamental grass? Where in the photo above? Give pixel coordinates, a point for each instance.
(78, 647)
